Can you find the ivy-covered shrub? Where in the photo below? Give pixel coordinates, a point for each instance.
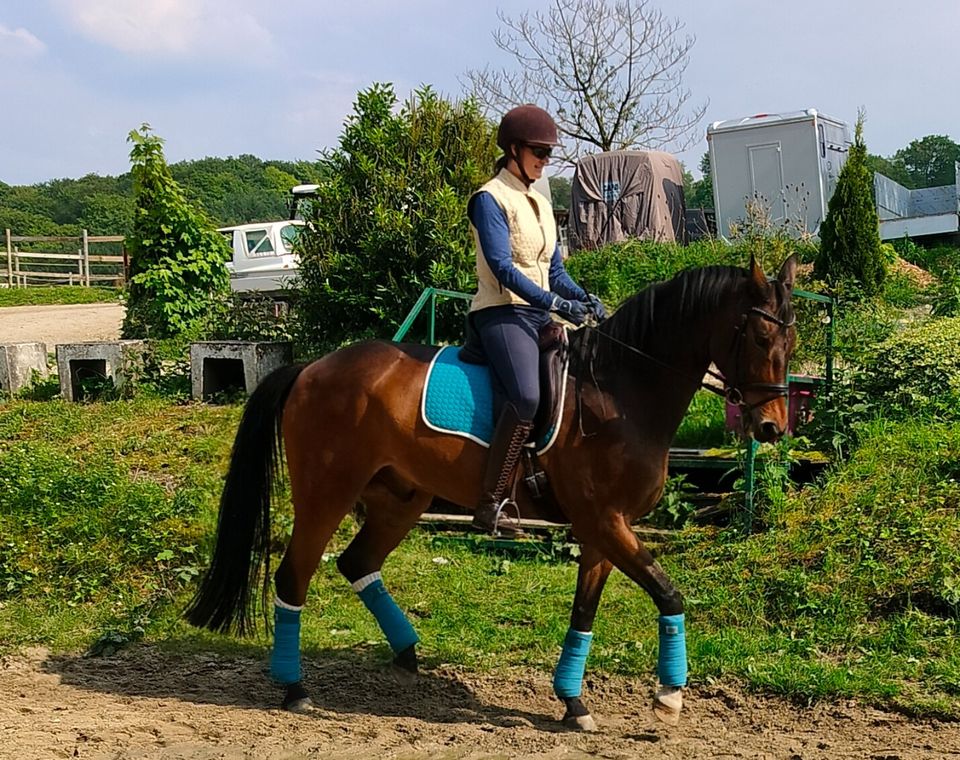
(915, 372)
(390, 217)
(177, 258)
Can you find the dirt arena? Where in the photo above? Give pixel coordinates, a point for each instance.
(143, 703)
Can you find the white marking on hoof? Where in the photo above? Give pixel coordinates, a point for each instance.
(581, 723)
(301, 706)
(403, 676)
(667, 704)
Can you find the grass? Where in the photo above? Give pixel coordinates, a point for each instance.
(56, 295)
(853, 590)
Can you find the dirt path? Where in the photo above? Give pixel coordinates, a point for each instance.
(60, 324)
(148, 704)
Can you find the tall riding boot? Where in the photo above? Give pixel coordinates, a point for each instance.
(505, 448)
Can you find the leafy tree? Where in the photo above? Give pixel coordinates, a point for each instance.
(610, 72)
(176, 256)
(929, 162)
(390, 216)
(886, 167)
(560, 191)
(106, 214)
(699, 193)
(849, 236)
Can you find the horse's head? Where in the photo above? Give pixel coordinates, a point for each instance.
(753, 360)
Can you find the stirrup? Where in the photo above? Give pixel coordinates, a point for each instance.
(513, 523)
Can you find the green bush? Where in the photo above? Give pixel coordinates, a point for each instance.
(177, 258)
(619, 270)
(915, 371)
(390, 216)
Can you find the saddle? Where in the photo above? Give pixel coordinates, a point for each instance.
(553, 359)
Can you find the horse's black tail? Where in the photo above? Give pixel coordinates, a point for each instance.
(243, 527)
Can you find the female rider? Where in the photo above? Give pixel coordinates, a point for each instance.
(520, 281)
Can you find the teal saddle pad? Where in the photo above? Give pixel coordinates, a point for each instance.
(458, 399)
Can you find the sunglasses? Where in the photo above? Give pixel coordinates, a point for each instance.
(541, 151)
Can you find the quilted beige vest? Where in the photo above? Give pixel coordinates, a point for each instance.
(533, 239)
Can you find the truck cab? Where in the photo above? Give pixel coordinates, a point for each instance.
(263, 258)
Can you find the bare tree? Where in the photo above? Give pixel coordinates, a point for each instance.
(610, 73)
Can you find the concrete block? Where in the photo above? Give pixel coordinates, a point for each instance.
(117, 360)
(218, 366)
(18, 362)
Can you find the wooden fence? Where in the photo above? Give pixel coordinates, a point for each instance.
(73, 263)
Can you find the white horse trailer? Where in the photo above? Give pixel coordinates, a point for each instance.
(788, 163)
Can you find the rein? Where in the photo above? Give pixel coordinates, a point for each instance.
(733, 393)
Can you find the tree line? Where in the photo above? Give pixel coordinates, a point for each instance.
(231, 190)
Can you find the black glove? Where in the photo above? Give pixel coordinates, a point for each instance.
(596, 306)
(572, 311)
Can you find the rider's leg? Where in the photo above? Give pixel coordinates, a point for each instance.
(510, 342)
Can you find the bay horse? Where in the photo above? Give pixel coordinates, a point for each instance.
(351, 429)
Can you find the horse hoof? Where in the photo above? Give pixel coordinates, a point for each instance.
(297, 700)
(300, 706)
(403, 676)
(667, 704)
(580, 723)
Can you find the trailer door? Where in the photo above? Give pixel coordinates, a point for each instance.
(766, 177)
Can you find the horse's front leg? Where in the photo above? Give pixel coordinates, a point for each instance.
(568, 678)
(620, 544)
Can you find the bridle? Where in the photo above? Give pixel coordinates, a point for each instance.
(734, 392)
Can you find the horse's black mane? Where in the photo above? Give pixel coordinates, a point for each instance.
(690, 295)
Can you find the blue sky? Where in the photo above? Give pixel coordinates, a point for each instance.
(218, 78)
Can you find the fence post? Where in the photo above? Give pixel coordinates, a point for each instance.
(9, 261)
(86, 259)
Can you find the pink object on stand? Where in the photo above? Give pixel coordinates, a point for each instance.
(799, 404)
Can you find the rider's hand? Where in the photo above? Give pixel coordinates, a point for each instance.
(572, 311)
(596, 306)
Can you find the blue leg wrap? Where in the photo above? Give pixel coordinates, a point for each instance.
(393, 622)
(285, 659)
(672, 661)
(568, 677)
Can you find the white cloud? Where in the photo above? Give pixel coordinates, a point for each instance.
(191, 29)
(19, 42)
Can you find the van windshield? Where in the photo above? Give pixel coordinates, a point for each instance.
(289, 236)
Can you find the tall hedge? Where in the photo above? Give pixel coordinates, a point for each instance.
(390, 215)
(850, 235)
(177, 258)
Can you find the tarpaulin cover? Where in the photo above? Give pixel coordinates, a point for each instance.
(626, 194)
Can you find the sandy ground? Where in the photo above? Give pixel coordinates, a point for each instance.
(60, 324)
(146, 704)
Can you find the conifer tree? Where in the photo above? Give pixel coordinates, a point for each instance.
(849, 236)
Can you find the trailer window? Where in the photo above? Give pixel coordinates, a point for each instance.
(821, 133)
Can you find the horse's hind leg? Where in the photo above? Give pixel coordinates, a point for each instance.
(320, 504)
(390, 516)
(568, 677)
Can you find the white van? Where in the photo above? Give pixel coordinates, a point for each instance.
(263, 256)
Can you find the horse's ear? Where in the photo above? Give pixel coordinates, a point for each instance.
(758, 280)
(788, 272)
